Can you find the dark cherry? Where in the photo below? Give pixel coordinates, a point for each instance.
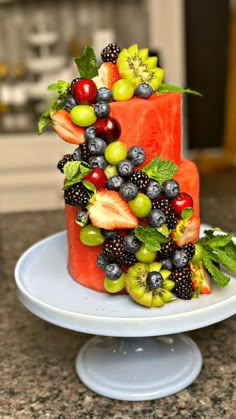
(107, 128)
(97, 177)
(84, 91)
(180, 202)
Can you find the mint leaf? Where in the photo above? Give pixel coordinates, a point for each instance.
(220, 240)
(45, 118)
(150, 237)
(187, 213)
(87, 63)
(90, 186)
(160, 170)
(75, 171)
(60, 86)
(230, 249)
(225, 260)
(168, 88)
(221, 279)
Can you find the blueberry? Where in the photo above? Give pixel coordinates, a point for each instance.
(82, 217)
(144, 90)
(179, 259)
(102, 109)
(108, 234)
(137, 155)
(113, 271)
(166, 264)
(153, 189)
(114, 183)
(128, 191)
(102, 262)
(77, 154)
(90, 133)
(96, 146)
(156, 218)
(97, 161)
(131, 244)
(69, 103)
(125, 168)
(170, 188)
(104, 94)
(154, 280)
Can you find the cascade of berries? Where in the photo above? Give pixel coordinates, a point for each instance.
(137, 213)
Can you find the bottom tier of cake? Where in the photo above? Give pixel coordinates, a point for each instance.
(82, 259)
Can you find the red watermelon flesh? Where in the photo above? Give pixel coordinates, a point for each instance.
(153, 123)
(82, 259)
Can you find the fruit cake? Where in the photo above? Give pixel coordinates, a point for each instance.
(131, 200)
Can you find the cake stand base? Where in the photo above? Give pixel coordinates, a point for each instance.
(135, 369)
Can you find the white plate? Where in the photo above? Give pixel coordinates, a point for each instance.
(46, 289)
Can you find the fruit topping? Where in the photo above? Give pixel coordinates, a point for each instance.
(183, 283)
(66, 129)
(128, 191)
(137, 155)
(170, 188)
(107, 75)
(122, 90)
(164, 204)
(76, 195)
(84, 91)
(97, 177)
(113, 271)
(104, 94)
(63, 161)
(115, 152)
(96, 146)
(102, 109)
(144, 90)
(187, 231)
(91, 235)
(125, 168)
(140, 179)
(83, 115)
(107, 128)
(201, 280)
(108, 210)
(97, 161)
(180, 202)
(110, 53)
(141, 205)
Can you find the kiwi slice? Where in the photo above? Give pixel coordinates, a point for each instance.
(136, 65)
(139, 290)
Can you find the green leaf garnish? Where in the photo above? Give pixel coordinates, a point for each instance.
(45, 118)
(75, 171)
(187, 213)
(150, 237)
(220, 240)
(60, 86)
(90, 186)
(169, 88)
(87, 63)
(220, 278)
(160, 170)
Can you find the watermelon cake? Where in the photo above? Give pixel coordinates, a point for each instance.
(131, 200)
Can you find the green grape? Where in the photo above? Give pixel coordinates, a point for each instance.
(144, 255)
(110, 171)
(122, 90)
(91, 236)
(83, 115)
(115, 152)
(141, 205)
(114, 286)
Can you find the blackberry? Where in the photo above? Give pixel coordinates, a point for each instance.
(76, 195)
(63, 161)
(183, 283)
(189, 249)
(165, 205)
(114, 251)
(167, 249)
(85, 155)
(113, 248)
(110, 53)
(140, 179)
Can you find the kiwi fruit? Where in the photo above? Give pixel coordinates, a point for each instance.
(136, 65)
(139, 290)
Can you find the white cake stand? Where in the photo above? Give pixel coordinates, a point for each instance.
(139, 353)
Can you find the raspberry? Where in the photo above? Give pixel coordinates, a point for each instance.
(183, 283)
(110, 53)
(76, 195)
(189, 249)
(63, 161)
(140, 179)
(167, 249)
(165, 205)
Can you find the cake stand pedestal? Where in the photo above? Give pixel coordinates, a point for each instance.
(139, 354)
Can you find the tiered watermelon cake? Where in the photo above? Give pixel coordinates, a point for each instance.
(131, 201)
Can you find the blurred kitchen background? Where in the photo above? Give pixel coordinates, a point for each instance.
(195, 42)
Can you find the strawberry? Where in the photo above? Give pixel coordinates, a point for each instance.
(186, 231)
(66, 129)
(201, 279)
(108, 210)
(107, 75)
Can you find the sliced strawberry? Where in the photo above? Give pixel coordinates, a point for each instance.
(108, 210)
(66, 129)
(201, 279)
(187, 231)
(107, 75)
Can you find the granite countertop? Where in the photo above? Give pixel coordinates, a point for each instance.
(38, 377)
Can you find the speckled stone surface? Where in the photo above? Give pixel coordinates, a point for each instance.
(37, 374)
